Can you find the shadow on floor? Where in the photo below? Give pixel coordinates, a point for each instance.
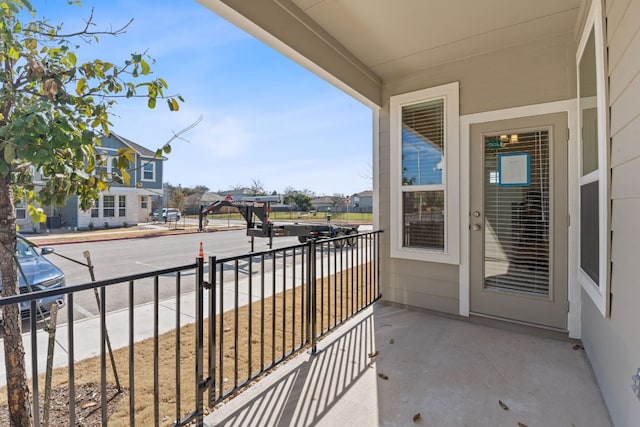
(427, 369)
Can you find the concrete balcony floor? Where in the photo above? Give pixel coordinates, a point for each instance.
(450, 371)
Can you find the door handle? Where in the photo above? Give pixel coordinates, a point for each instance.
(476, 227)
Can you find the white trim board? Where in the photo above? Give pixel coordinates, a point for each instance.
(568, 106)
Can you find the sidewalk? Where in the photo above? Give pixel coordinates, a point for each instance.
(62, 236)
(88, 330)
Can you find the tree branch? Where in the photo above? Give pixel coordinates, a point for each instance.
(85, 31)
(188, 128)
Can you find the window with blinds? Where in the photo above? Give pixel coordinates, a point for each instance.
(423, 190)
(517, 224)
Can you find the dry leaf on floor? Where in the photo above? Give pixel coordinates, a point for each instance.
(417, 417)
(89, 405)
(522, 424)
(383, 376)
(374, 354)
(578, 347)
(502, 405)
(391, 341)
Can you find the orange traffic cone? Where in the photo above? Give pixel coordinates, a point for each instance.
(201, 252)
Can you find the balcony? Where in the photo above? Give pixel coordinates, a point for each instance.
(395, 366)
(294, 336)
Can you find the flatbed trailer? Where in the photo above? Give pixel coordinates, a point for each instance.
(255, 212)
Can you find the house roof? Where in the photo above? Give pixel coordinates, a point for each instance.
(322, 200)
(211, 197)
(367, 193)
(143, 151)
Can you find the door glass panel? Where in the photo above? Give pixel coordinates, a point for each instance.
(516, 208)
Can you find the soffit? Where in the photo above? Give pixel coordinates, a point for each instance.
(397, 38)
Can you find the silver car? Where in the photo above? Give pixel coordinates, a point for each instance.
(167, 214)
(37, 273)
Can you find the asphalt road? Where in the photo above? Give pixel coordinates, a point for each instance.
(118, 258)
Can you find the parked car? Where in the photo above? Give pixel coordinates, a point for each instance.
(167, 214)
(40, 274)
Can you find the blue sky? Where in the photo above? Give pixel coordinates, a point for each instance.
(265, 117)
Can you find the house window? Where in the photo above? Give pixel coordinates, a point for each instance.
(105, 165)
(108, 206)
(149, 171)
(21, 211)
(424, 147)
(594, 160)
(143, 202)
(95, 209)
(122, 206)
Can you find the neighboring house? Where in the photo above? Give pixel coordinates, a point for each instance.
(123, 204)
(322, 204)
(236, 194)
(362, 202)
(195, 201)
(506, 156)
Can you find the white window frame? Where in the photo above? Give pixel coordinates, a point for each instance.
(106, 208)
(21, 211)
(111, 166)
(599, 292)
(94, 211)
(451, 253)
(153, 170)
(122, 207)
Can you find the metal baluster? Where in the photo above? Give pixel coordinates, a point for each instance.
(132, 406)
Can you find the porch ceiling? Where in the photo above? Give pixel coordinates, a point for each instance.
(363, 44)
(397, 38)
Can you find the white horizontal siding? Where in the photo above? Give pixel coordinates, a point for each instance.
(625, 145)
(625, 71)
(621, 32)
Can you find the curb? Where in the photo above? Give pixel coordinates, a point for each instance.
(50, 241)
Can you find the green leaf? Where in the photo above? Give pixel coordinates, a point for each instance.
(13, 54)
(145, 67)
(167, 149)
(174, 105)
(9, 153)
(4, 169)
(152, 103)
(126, 177)
(72, 58)
(80, 86)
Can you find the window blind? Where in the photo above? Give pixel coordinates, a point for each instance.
(423, 196)
(516, 236)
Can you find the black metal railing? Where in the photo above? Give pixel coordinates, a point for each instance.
(251, 312)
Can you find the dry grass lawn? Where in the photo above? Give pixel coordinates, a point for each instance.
(342, 294)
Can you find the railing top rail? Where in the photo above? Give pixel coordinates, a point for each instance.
(289, 248)
(30, 296)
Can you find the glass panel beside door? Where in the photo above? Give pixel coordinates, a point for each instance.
(517, 213)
